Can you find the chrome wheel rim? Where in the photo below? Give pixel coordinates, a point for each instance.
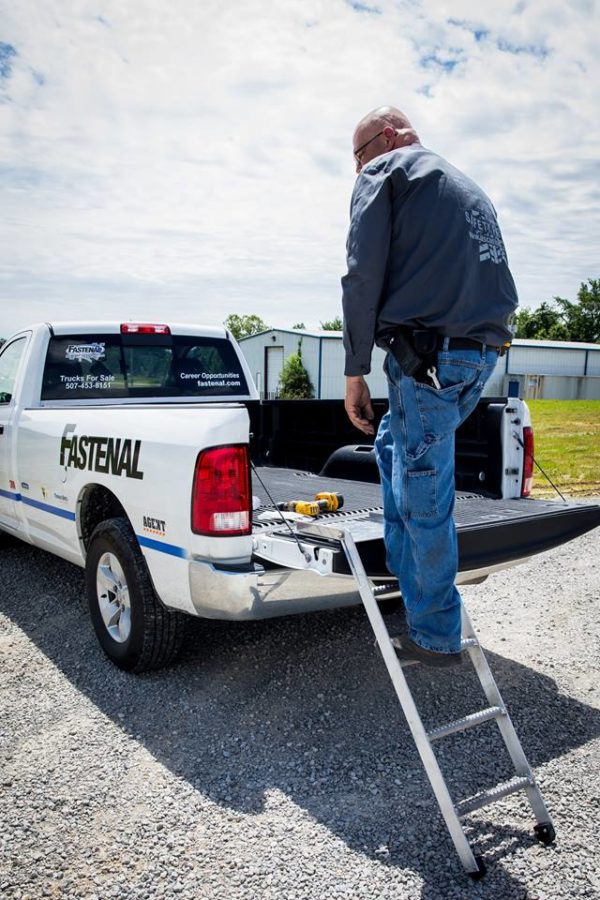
(113, 597)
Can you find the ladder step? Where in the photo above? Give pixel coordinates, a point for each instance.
(468, 642)
(484, 798)
(387, 587)
(470, 721)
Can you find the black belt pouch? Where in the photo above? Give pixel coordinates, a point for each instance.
(414, 351)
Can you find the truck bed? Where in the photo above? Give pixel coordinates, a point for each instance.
(491, 532)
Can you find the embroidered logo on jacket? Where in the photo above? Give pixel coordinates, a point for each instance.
(484, 229)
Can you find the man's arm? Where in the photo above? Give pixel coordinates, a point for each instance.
(368, 248)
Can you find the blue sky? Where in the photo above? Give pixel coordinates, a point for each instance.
(187, 160)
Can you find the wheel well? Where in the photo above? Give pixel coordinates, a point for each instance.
(97, 504)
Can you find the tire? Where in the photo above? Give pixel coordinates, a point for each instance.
(135, 630)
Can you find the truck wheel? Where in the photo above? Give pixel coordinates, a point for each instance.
(134, 629)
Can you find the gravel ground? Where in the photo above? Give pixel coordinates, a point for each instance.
(273, 760)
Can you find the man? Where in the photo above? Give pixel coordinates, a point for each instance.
(428, 280)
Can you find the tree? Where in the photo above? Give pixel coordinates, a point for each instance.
(333, 324)
(294, 380)
(299, 326)
(244, 326)
(563, 320)
(543, 323)
(582, 318)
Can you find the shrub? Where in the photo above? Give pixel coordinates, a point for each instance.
(294, 381)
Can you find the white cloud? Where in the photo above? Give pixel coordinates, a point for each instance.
(189, 160)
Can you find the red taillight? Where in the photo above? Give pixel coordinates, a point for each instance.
(144, 328)
(527, 461)
(221, 498)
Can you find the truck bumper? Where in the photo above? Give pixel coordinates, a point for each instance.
(253, 592)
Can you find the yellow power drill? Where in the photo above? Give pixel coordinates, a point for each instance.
(325, 501)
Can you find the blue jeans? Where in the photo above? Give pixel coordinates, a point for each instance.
(415, 454)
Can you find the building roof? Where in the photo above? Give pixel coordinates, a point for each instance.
(317, 333)
(558, 345)
(517, 342)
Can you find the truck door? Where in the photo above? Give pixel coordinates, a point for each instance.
(10, 358)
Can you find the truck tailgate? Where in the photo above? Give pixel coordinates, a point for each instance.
(491, 532)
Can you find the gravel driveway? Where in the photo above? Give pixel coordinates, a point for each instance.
(273, 760)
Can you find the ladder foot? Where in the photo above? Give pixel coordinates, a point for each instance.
(481, 870)
(545, 833)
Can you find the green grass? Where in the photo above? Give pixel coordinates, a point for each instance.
(567, 446)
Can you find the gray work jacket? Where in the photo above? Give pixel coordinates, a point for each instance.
(424, 249)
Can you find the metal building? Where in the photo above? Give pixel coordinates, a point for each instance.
(557, 370)
(552, 370)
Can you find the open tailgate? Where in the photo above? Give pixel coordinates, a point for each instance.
(491, 533)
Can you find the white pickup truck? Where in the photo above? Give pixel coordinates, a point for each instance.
(142, 453)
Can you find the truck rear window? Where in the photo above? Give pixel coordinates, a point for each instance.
(117, 366)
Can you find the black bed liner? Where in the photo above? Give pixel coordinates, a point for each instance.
(490, 531)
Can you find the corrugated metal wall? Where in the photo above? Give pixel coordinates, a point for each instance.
(332, 368)
(333, 383)
(545, 361)
(593, 366)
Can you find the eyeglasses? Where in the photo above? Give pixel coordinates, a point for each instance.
(358, 153)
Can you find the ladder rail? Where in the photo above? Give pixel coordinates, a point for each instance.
(452, 813)
(436, 779)
(505, 725)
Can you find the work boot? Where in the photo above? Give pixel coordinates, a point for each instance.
(408, 651)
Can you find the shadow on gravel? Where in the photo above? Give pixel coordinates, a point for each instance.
(303, 705)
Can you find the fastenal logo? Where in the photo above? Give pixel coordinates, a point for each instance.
(86, 352)
(112, 456)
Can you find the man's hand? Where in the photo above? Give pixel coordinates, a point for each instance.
(358, 403)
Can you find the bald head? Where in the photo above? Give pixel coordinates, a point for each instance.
(381, 130)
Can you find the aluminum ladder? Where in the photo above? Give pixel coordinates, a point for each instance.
(452, 812)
